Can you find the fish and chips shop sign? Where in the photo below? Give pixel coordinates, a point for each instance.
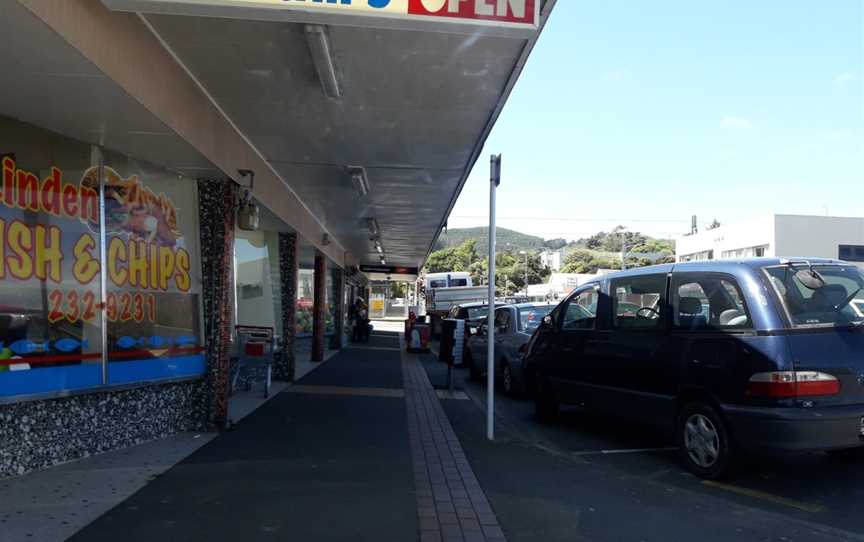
(448, 15)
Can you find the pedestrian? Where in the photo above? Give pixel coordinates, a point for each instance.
(359, 320)
(363, 322)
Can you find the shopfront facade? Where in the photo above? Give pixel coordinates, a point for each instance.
(125, 132)
(101, 329)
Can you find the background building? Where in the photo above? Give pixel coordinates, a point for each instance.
(553, 259)
(777, 235)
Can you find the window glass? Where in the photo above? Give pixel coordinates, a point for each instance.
(329, 305)
(706, 301)
(851, 253)
(153, 274)
(531, 317)
(838, 301)
(256, 256)
(440, 283)
(502, 319)
(50, 282)
(305, 300)
(581, 311)
(638, 302)
(477, 313)
(459, 282)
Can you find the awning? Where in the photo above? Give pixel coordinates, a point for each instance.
(391, 136)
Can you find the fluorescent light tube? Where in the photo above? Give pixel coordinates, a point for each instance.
(322, 57)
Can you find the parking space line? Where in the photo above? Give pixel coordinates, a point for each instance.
(624, 451)
(775, 499)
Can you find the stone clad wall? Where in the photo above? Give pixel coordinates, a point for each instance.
(39, 434)
(289, 266)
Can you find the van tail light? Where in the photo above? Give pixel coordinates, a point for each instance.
(790, 384)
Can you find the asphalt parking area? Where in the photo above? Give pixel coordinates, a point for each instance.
(611, 479)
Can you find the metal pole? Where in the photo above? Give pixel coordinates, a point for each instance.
(623, 252)
(494, 181)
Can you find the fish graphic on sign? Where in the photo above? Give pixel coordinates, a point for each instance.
(185, 340)
(68, 344)
(126, 342)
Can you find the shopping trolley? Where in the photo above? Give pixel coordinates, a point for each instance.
(254, 359)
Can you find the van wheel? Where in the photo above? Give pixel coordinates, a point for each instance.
(704, 443)
(545, 405)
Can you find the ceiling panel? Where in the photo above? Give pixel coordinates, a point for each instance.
(415, 105)
(43, 76)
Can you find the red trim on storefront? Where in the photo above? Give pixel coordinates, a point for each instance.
(113, 355)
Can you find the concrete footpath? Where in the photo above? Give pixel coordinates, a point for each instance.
(358, 449)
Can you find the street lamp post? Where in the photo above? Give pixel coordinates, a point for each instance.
(623, 250)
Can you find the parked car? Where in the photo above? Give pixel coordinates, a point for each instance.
(514, 325)
(474, 315)
(761, 354)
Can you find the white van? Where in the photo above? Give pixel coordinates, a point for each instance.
(448, 280)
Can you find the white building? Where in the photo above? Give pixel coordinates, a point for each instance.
(559, 285)
(553, 259)
(782, 236)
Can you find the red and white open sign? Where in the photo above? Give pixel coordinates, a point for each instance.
(446, 15)
(506, 12)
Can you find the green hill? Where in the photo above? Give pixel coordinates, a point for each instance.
(505, 239)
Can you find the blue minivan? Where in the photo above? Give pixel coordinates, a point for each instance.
(762, 354)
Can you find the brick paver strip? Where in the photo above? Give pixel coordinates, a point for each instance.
(451, 504)
(345, 390)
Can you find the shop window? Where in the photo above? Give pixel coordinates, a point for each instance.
(306, 302)
(52, 314)
(50, 326)
(256, 257)
(153, 278)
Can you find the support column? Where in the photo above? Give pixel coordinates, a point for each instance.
(338, 276)
(217, 202)
(319, 321)
(289, 269)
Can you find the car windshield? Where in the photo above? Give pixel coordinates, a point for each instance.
(477, 313)
(833, 294)
(532, 316)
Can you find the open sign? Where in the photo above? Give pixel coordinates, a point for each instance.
(446, 15)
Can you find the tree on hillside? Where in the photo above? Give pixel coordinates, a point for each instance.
(555, 244)
(612, 241)
(585, 261)
(452, 259)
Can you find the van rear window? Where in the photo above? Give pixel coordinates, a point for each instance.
(821, 295)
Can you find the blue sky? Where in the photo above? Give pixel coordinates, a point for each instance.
(645, 113)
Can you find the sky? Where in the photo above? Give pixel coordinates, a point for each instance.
(646, 113)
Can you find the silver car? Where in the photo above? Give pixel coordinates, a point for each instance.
(514, 325)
